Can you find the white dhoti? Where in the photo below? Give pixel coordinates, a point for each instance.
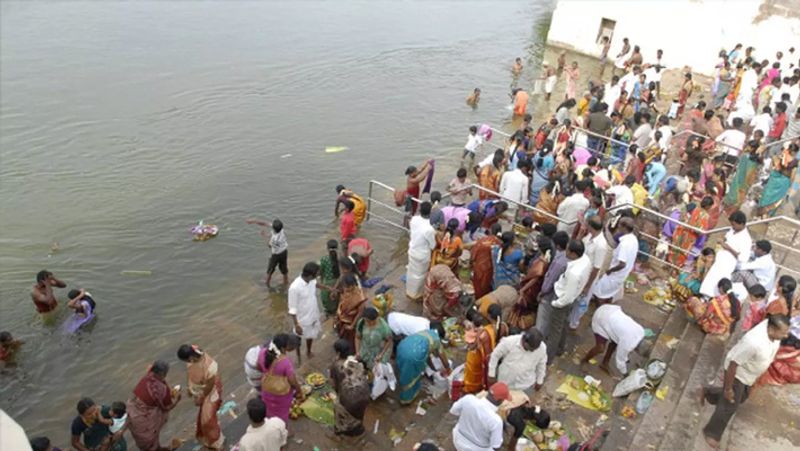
(609, 286)
(418, 263)
(550, 84)
(723, 267)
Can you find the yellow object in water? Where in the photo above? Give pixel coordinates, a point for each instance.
(334, 149)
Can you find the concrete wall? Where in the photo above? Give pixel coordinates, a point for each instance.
(691, 32)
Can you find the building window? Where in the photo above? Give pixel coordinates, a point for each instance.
(606, 29)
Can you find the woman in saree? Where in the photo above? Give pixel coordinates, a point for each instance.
(688, 283)
(726, 79)
(480, 344)
(543, 163)
(522, 314)
(205, 387)
(779, 182)
(279, 385)
(686, 90)
(442, 293)
(359, 206)
(350, 381)
(351, 304)
(414, 177)
(621, 134)
(413, 355)
(329, 274)
(693, 120)
(685, 238)
(148, 409)
(480, 257)
(373, 339)
(746, 175)
(504, 297)
(736, 85)
(508, 260)
(549, 198)
(489, 177)
(448, 246)
(718, 315)
(361, 248)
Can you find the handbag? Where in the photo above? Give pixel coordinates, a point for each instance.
(273, 383)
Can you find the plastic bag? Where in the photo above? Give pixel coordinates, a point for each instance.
(455, 382)
(635, 381)
(384, 378)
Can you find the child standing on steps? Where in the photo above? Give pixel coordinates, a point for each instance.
(279, 249)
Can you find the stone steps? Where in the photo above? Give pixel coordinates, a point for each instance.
(686, 420)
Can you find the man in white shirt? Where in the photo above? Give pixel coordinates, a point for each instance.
(479, 427)
(303, 305)
(252, 370)
(524, 360)
(474, 140)
(405, 324)
(262, 434)
(612, 92)
(732, 141)
(666, 134)
(622, 193)
(744, 364)
(597, 250)
(611, 325)
(735, 250)
(762, 121)
(641, 136)
(572, 207)
(760, 270)
(610, 284)
(565, 291)
(422, 240)
(514, 186)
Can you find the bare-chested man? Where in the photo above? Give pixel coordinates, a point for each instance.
(42, 293)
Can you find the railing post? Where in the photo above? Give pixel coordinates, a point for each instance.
(369, 199)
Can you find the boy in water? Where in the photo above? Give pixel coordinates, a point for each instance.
(8, 347)
(474, 140)
(474, 98)
(279, 249)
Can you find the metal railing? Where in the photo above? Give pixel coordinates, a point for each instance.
(642, 209)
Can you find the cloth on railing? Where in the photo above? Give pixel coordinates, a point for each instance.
(429, 180)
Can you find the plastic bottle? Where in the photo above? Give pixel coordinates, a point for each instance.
(644, 401)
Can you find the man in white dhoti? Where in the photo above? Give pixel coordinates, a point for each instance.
(550, 79)
(420, 244)
(735, 250)
(611, 283)
(747, 88)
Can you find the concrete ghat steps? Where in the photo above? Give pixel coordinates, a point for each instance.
(652, 428)
(674, 327)
(686, 421)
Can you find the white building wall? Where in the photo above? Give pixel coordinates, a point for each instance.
(691, 32)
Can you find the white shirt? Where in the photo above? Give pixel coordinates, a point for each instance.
(479, 427)
(627, 81)
(725, 263)
(753, 354)
(251, 367)
(303, 301)
(270, 436)
(597, 249)
(422, 235)
(610, 284)
(666, 137)
(278, 243)
(514, 186)
(405, 324)
(473, 141)
(642, 135)
(519, 368)
(761, 122)
(569, 209)
(611, 323)
(763, 268)
(622, 194)
(734, 139)
(570, 284)
(489, 159)
(651, 74)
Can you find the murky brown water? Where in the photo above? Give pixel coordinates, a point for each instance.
(122, 124)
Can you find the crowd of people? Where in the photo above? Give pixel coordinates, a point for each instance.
(549, 234)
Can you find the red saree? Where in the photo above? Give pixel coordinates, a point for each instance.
(481, 262)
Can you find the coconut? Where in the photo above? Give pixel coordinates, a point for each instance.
(538, 437)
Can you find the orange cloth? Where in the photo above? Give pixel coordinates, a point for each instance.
(520, 103)
(476, 366)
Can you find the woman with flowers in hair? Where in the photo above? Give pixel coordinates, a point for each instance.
(205, 387)
(279, 383)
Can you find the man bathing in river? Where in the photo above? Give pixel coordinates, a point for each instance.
(42, 293)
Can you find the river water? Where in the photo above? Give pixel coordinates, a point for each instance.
(124, 123)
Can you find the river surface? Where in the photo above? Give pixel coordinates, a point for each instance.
(124, 123)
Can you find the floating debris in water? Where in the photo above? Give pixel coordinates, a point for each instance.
(133, 272)
(286, 155)
(335, 149)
